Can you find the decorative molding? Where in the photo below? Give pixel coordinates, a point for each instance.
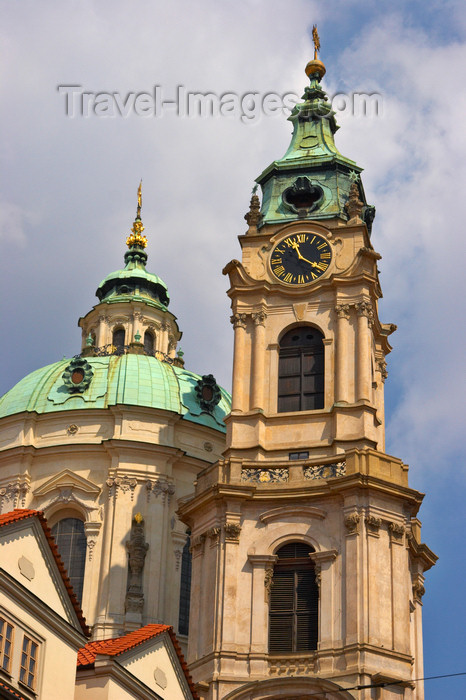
(207, 392)
(91, 530)
(15, 492)
(325, 471)
(77, 375)
(238, 320)
(343, 310)
(178, 556)
(352, 522)
(213, 534)
(364, 308)
(373, 524)
(418, 587)
(268, 580)
(305, 665)
(160, 487)
(283, 513)
(232, 532)
(117, 484)
(299, 309)
(264, 476)
(396, 530)
(382, 367)
(197, 545)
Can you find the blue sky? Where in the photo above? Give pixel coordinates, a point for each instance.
(68, 200)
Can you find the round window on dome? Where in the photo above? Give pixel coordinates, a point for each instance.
(207, 393)
(77, 376)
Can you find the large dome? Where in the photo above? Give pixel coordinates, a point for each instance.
(130, 379)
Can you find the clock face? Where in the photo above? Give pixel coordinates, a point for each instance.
(300, 258)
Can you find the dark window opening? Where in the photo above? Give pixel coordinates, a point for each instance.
(294, 601)
(71, 542)
(149, 343)
(185, 588)
(119, 338)
(298, 455)
(301, 370)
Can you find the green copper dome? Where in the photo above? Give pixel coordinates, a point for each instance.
(137, 380)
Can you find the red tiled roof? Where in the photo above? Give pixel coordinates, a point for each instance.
(11, 693)
(24, 513)
(118, 645)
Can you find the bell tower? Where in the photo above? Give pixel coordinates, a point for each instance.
(308, 567)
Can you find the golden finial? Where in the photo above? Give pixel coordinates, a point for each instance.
(316, 40)
(316, 66)
(136, 237)
(138, 517)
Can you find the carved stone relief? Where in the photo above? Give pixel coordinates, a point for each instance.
(352, 522)
(13, 495)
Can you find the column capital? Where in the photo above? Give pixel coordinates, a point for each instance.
(342, 310)
(238, 320)
(364, 308)
(259, 317)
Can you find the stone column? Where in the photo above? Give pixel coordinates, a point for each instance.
(162, 337)
(363, 351)
(238, 398)
(323, 562)
(102, 332)
(341, 378)
(258, 360)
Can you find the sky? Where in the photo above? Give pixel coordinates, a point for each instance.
(68, 198)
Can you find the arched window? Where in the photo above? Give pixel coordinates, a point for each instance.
(185, 588)
(118, 339)
(149, 343)
(294, 598)
(71, 542)
(301, 370)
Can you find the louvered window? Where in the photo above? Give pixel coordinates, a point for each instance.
(294, 598)
(301, 370)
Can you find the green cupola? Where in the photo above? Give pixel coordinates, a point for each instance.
(313, 179)
(133, 280)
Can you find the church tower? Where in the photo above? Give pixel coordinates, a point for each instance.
(308, 568)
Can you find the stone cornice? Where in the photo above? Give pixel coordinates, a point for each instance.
(422, 553)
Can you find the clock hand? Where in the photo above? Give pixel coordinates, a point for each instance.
(301, 257)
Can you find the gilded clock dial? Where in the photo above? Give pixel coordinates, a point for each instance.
(300, 258)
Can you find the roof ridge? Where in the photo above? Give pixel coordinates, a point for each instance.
(119, 645)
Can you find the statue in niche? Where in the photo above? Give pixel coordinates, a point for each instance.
(137, 549)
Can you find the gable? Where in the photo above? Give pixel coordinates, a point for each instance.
(157, 664)
(27, 557)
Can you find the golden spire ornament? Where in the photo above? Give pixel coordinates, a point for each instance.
(315, 67)
(316, 40)
(136, 237)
